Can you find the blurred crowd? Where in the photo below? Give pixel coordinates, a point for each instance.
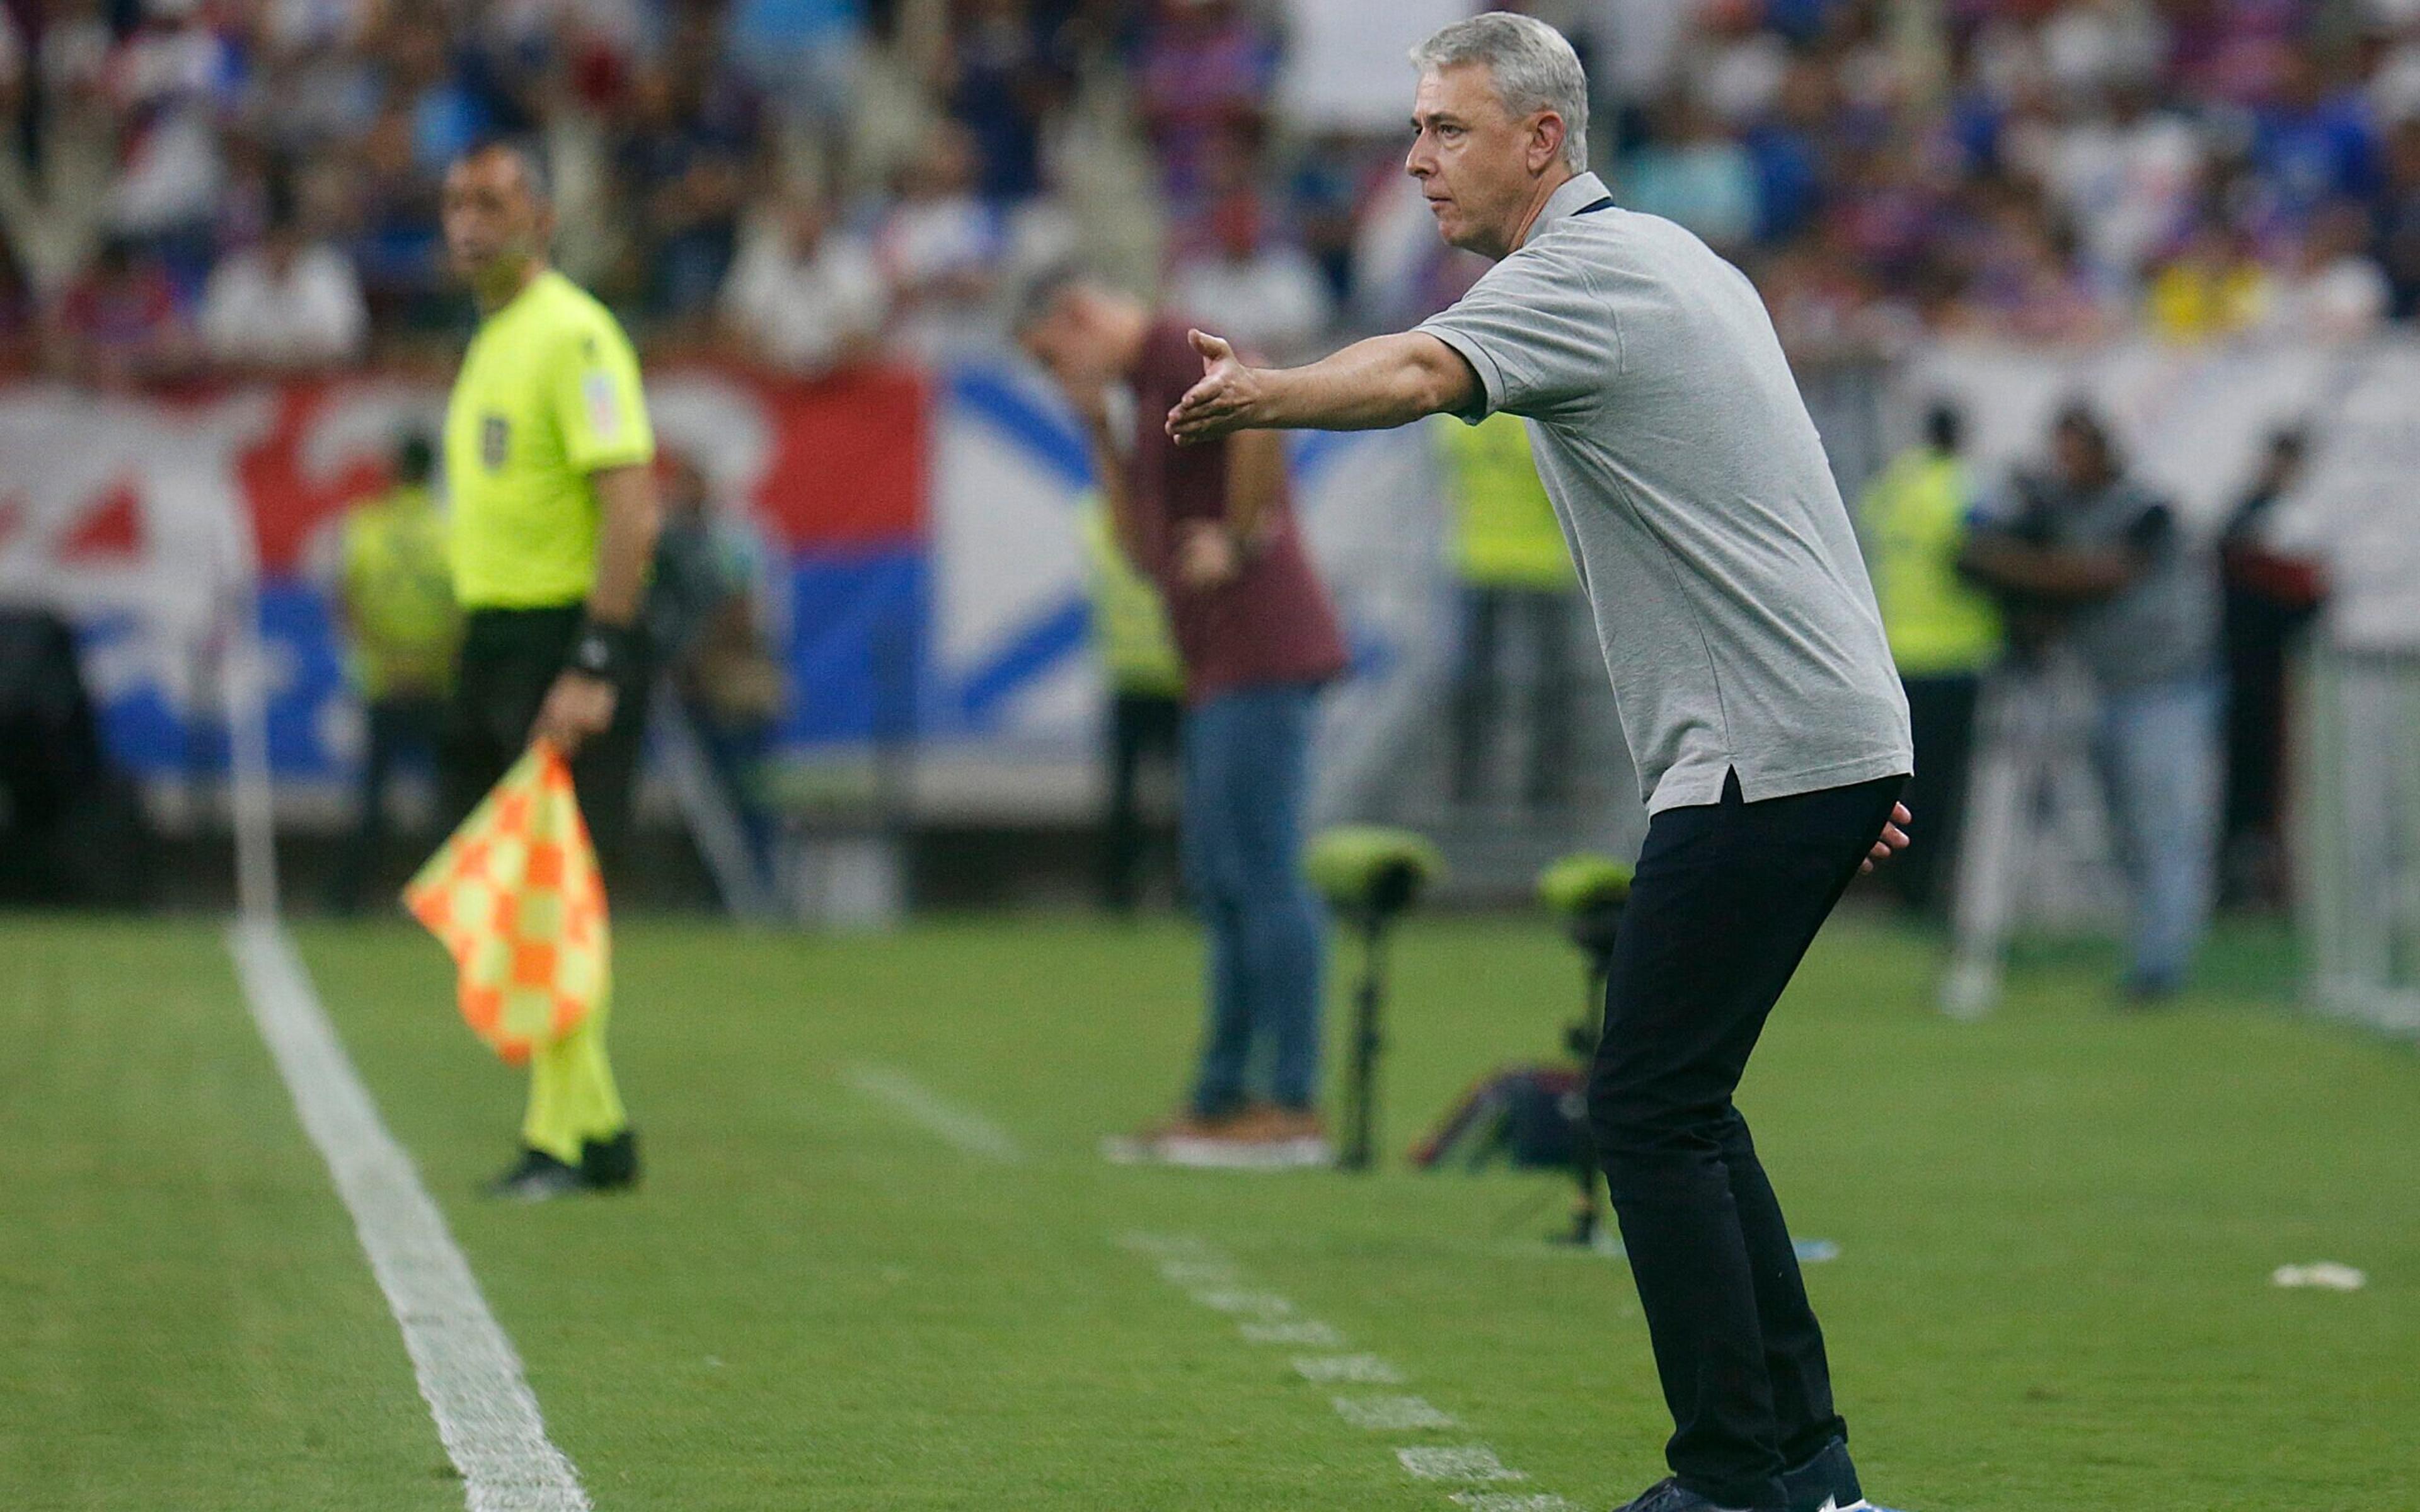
(251, 184)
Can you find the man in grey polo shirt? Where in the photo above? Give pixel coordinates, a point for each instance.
(1748, 664)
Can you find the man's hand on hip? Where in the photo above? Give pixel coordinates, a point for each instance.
(577, 707)
(1894, 838)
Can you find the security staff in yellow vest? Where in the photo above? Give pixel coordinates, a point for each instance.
(549, 458)
(1517, 580)
(394, 609)
(1944, 630)
(1145, 726)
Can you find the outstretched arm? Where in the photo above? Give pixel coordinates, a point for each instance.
(1370, 385)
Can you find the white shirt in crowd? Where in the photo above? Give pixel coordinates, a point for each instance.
(310, 313)
(1274, 301)
(803, 311)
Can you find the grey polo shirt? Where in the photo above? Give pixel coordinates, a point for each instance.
(1736, 616)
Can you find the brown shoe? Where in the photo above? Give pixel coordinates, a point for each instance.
(1148, 1144)
(1261, 1137)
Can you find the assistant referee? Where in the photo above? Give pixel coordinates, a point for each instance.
(1750, 666)
(554, 518)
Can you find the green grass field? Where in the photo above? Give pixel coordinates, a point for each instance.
(2055, 1233)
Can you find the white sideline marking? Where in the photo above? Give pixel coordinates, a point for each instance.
(1392, 1414)
(467, 1369)
(1353, 1369)
(936, 1114)
(1470, 1461)
(1305, 1332)
(1214, 1281)
(1265, 1304)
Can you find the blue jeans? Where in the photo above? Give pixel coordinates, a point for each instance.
(2158, 751)
(1246, 778)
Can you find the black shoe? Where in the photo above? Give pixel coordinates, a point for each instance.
(539, 1178)
(610, 1165)
(1827, 1482)
(1669, 1495)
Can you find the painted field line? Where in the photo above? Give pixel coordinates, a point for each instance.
(936, 1114)
(1468, 1461)
(1391, 1415)
(467, 1369)
(1215, 1282)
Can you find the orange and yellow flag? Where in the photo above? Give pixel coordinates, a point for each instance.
(515, 897)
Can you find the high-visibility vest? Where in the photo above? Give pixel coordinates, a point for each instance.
(1131, 629)
(399, 591)
(1913, 522)
(1506, 535)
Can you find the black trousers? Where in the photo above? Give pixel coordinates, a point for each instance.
(1142, 728)
(1727, 900)
(1543, 616)
(1941, 714)
(400, 729)
(509, 658)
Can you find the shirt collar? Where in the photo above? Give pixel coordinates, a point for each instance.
(1585, 190)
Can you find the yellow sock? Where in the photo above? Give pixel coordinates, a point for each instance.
(572, 1097)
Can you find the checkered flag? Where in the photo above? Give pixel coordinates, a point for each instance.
(515, 898)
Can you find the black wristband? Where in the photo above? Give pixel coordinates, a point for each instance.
(605, 650)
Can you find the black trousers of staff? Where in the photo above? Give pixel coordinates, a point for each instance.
(1726, 898)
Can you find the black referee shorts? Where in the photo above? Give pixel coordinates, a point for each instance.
(509, 658)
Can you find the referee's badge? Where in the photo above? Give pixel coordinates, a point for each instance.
(495, 442)
(604, 406)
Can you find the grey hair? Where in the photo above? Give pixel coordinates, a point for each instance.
(1532, 65)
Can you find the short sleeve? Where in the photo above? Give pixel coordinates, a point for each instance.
(600, 403)
(1536, 334)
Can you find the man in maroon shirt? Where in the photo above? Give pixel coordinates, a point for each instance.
(1213, 527)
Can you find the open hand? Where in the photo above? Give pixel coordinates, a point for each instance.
(577, 707)
(1225, 400)
(1894, 838)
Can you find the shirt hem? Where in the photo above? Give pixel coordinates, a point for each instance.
(1760, 787)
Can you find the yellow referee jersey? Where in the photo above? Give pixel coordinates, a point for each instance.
(548, 394)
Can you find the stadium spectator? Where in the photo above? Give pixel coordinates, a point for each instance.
(290, 303)
(168, 80)
(2332, 290)
(395, 611)
(1214, 528)
(1945, 634)
(684, 172)
(803, 54)
(1691, 170)
(2270, 596)
(804, 296)
(1516, 592)
(119, 323)
(941, 247)
(1266, 290)
(2136, 600)
(1203, 74)
(1000, 82)
(2212, 288)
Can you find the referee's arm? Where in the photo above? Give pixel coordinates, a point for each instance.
(581, 704)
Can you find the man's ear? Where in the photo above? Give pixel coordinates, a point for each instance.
(1545, 141)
